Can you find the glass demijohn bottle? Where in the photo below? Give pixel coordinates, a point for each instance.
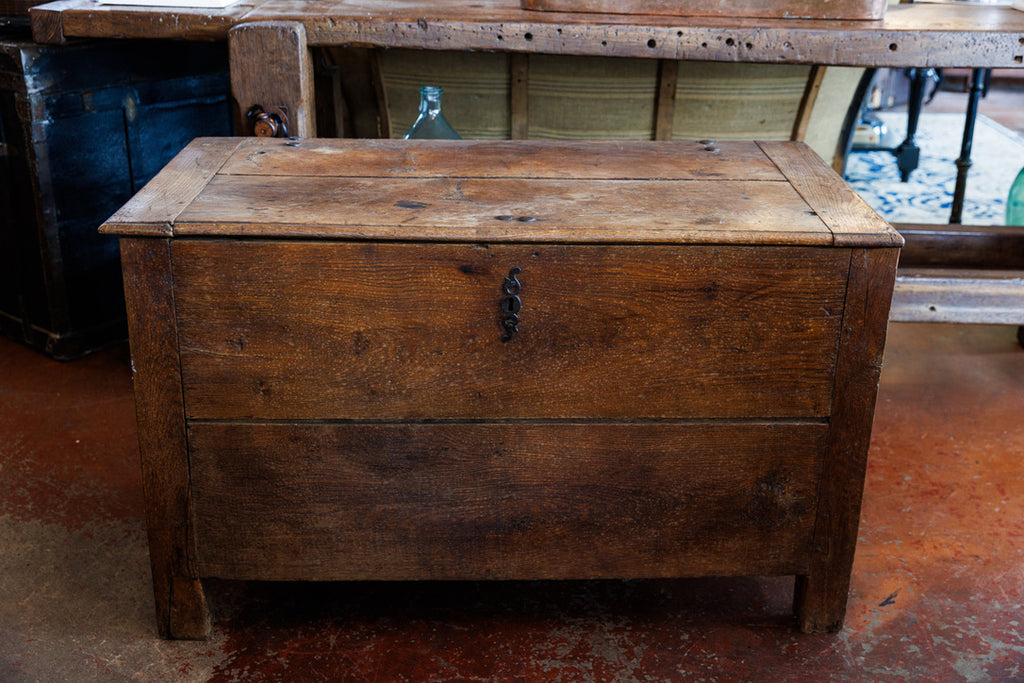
(1015, 201)
(431, 123)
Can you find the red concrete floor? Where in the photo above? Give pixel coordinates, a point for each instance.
(937, 595)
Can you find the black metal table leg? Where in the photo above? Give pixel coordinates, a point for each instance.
(908, 154)
(979, 78)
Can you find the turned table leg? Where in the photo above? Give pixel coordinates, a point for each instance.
(963, 162)
(180, 603)
(908, 154)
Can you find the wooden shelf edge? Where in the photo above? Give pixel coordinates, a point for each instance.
(968, 296)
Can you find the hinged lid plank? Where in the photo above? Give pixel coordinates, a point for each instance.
(511, 191)
(847, 215)
(501, 209)
(682, 160)
(155, 207)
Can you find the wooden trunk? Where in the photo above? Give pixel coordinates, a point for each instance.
(82, 128)
(502, 360)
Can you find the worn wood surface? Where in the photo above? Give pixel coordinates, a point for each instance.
(996, 247)
(501, 210)
(847, 216)
(679, 192)
(180, 602)
(911, 35)
(820, 600)
(55, 22)
(959, 295)
(769, 9)
(503, 501)
(153, 210)
(271, 67)
(356, 409)
(551, 159)
(406, 331)
(961, 273)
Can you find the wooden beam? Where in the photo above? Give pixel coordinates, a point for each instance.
(48, 23)
(959, 296)
(962, 246)
(806, 108)
(54, 22)
(913, 35)
(271, 67)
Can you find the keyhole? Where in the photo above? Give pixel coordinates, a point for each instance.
(511, 304)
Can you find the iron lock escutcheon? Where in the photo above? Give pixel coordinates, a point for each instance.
(511, 304)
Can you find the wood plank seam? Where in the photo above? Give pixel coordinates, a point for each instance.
(816, 183)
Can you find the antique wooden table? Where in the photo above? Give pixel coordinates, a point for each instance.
(271, 66)
(924, 35)
(436, 360)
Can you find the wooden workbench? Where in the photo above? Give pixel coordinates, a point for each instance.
(271, 65)
(923, 35)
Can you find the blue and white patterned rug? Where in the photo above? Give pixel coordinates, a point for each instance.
(997, 156)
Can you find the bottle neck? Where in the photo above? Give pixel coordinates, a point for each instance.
(430, 101)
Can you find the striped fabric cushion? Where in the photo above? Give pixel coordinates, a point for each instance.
(596, 98)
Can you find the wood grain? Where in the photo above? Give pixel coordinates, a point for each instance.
(821, 594)
(511, 191)
(924, 35)
(769, 9)
(514, 210)
(310, 330)
(180, 602)
(57, 21)
(847, 215)
(501, 501)
(664, 409)
(910, 35)
(153, 210)
(550, 159)
(48, 21)
(271, 66)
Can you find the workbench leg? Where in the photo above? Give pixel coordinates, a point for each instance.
(272, 73)
(963, 162)
(820, 599)
(181, 609)
(908, 154)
